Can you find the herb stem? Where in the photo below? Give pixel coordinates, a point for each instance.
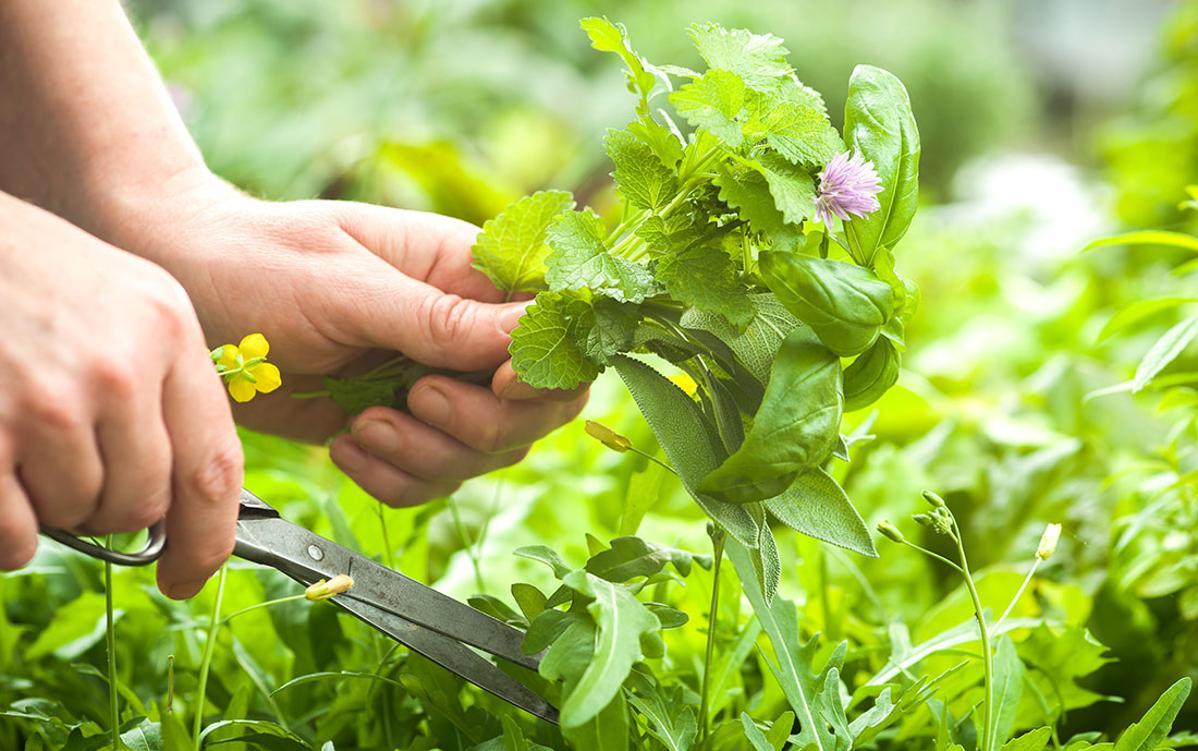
(259, 606)
(987, 742)
(717, 544)
(206, 660)
(467, 545)
(388, 554)
(114, 708)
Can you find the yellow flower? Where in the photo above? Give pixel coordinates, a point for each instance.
(323, 590)
(608, 437)
(245, 369)
(1048, 542)
(686, 383)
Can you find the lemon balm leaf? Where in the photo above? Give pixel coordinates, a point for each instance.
(580, 260)
(713, 101)
(704, 276)
(641, 177)
(545, 345)
(758, 59)
(511, 249)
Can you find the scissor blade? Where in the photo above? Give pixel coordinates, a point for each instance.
(307, 557)
(453, 656)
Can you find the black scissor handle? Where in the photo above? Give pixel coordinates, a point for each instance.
(150, 553)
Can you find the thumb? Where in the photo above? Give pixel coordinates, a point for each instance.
(440, 329)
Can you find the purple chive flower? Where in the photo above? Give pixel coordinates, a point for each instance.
(848, 186)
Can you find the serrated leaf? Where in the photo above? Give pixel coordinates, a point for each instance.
(818, 507)
(612, 331)
(1164, 351)
(606, 36)
(664, 143)
(705, 277)
(758, 59)
(846, 305)
(795, 429)
(511, 249)
(580, 261)
(878, 123)
(748, 193)
(1156, 723)
(621, 621)
(795, 126)
(640, 177)
(689, 440)
(792, 187)
(713, 102)
(546, 346)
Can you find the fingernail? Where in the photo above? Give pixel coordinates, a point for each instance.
(511, 317)
(430, 404)
(346, 455)
(376, 435)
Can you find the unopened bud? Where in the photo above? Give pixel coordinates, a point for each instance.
(1048, 541)
(934, 500)
(890, 531)
(939, 520)
(608, 437)
(323, 590)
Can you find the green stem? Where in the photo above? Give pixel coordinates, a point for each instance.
(114, 709)
(937, 556)
(987, 742)
(259, 606)
(717, 544)
(388, 554)
(1019, 593)
(653, 459)
(206, 660)
(467, 545)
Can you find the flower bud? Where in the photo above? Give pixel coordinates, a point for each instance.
(939, 520)
(933, 499)
(890, 531)
(608, 437)
(323, 590)
(1048, 541)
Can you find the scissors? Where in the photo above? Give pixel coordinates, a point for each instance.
(426, 621)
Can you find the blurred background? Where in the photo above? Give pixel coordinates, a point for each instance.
(1045, 124)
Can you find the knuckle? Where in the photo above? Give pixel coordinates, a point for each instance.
(218, 479)
(450, 318)
(170, 307)
(491, 438)
(56, 408)
(114, 377)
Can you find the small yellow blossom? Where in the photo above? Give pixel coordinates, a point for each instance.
(890, 531)
(323, 590)
(244, 368)
(608, 437)
(1048, 541)
(686, 383)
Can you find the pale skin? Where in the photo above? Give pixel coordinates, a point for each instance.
(139, 259)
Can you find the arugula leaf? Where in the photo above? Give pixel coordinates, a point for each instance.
(642, 179)
(630, 557)
(704, 276)
(758, 59)
(511, 249)
(606, 36)
(1032, 740)
(580, 261)
(1164, 351)
(713, 101)
(621, 621)
(879, 124)
(846, 305)
(545, 345)
(794, 430)
(1008, 687)
(1156, 723)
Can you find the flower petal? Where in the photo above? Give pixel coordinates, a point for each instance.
(228, 356)
(242, 390)
(254, 345)
(268, 377)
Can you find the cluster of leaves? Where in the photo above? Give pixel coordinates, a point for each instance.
(718, 267)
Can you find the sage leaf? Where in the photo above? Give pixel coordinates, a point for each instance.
(879, 124)
(818, 507)
(846, 305)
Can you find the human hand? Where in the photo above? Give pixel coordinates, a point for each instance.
(111, 415)
(338, 287)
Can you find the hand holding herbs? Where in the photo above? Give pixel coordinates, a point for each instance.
(754, 251)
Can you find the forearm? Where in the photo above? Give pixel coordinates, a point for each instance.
(89, 130)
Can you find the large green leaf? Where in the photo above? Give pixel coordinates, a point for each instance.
(758, 59)
(1154, 726)
(580, 261)
(713, 102)
(621, 622)
(689, 440)
(640, 176)
(878, 123)
(511, 249)
(546, 350)
(795, 429)
(756, 345)
(817, 506)
(871, 374)
(845, 304)
(630, 557)
(705, 276)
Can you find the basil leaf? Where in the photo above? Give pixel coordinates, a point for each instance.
(871, 374)
(846, 305)
(879, 124)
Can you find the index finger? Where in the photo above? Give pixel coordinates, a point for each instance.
(205, 478)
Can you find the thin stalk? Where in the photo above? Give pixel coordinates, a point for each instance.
(170, 685)
(388, 555)
(114, 708)
(259, 606)
(206, 660)
(652, 458)
(467, 545)
(1019, 593)
(987, 743)
(717, 544)
(937, 556)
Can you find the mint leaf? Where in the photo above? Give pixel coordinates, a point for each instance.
(580, 261)
(797, 130)
(511, 249)
(705, 277)
(642, 179)
(713, 101)
(666, 235)
(545, 346)
(792, 187)
(613, 326)
(759, 59)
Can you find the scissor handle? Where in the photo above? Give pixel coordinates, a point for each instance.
(150, 553)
